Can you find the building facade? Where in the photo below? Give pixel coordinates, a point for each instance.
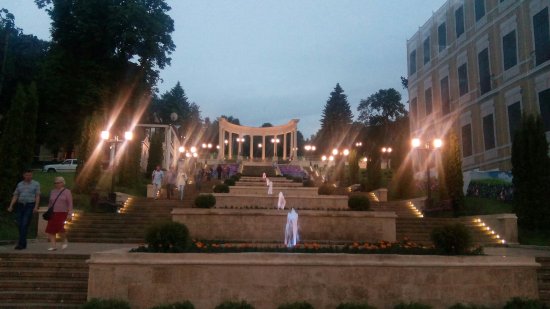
(474, 67)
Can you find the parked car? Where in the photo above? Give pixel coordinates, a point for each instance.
(68, 165)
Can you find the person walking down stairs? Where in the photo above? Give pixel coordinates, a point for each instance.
(157, 178)
(61, 200)
(181, 182)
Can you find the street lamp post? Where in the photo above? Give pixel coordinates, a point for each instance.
(386, 152)
(427, 147)
(310, 148)
(105, 136)
(275, 141)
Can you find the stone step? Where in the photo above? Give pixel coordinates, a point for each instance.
(122, 240)
(40, 263)
(39, 305)
(23, 256)
(44, 285)
(76, 274)
(44, 297)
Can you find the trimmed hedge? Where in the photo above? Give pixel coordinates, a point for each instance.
(180, 305)
(167, 236)
(524, 303)
(205, 201)
(412, 305)
(221, 188)
(355, 306)
(452, 239)
(309, 183)
(296, 305)
(359, 203)
(229, 182)
(234, 305)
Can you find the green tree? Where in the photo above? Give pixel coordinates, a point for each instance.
(335, 122)
(15, 142)
(353, 165)
(451, 160)
(374, 172)
(531, 171)
(381, 108)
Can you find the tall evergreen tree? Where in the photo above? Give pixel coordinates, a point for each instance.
(87, 172)
(531, 171)
(336, 121)
(452, 172)
(14, 149)
(353, 165)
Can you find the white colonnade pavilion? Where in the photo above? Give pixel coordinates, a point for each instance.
(285, 134)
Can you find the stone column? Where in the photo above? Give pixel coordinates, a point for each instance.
(295, 143)
(230, 140)
(221, 144)
(251, 147)
(239, 145)
(284, 146)
(263, 147)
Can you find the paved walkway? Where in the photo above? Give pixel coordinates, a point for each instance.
(41, 246)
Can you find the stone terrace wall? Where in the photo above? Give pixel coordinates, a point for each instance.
(262, 190)
(269, 225)
(266, 280)
(333, 202)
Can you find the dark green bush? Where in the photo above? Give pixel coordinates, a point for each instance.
(167, 236)
(452, 239)
(297, 179)
(469, 306)
(221, 188)
(355, 306)
(229, 182)
(309, 183)
(234, 305)
(236, 177)
(296, 305)
(325, 190)
(412, 305)
(106, 304)
(524, 303)
(359, 202)
(205, 201)
(181, 305)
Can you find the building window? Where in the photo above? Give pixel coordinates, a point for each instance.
(442, 37)
(489, 132)
(463, 79)
(541, 30)
(413, 109)
(428, 100)
(479, 9)
(459, 21)
(426, 50)
(509, 50)
(412, 62)
(467, 140)
(514, 118)
(484, 71)
(544, 103)
(445, 100)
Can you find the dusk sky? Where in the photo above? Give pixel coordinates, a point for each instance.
(275, 60)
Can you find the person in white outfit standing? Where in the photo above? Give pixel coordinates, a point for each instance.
(157, 178)
(181, 182)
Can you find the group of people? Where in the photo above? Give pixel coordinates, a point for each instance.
(173, 180)
(25, 201)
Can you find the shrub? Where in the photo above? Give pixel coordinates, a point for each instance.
(221, 188)
(234, 305)
(325, 190)
(309, 183)
(355, 306)
(412, 305)
(182, 305)
(452, 239)
(205, 201)
(296, 305)
(359, 202)
(96, 303)
(229, 182)
(167, 236)
(469, 306)
(524, 303)
(297, 179)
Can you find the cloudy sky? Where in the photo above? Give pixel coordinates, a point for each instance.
(275, 60)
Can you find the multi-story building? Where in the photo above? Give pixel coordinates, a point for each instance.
(474, 67)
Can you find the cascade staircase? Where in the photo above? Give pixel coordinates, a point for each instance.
(417, 229)
(543, 274)
(43, 280)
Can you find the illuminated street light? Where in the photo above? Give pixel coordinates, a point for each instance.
(427, 148)
(105, 136)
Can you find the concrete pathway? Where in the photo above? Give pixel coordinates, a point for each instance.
(41, 246)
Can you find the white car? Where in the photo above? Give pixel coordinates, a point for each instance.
(68, 165)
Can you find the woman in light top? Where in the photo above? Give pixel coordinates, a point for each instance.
(61, 200)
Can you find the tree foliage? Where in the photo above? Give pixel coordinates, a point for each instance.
(452, 171)
(531, 171)
(155, 152)
(336, 121)
(381, 108)
(353, 167)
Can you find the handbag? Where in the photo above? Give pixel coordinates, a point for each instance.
(49, 213)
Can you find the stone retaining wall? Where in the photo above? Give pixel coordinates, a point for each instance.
(333, 202)
(287, 191)
(262, 183)
(269, 225)
(267, 280)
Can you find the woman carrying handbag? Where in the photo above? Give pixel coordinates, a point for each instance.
(61, 200)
